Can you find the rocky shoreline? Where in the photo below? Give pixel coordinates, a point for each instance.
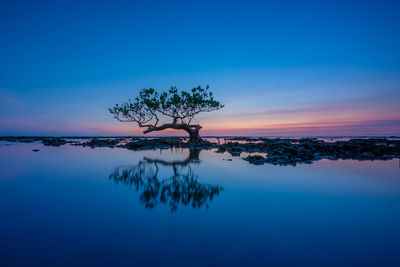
(276, 151)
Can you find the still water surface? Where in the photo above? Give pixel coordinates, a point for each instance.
(72, 205)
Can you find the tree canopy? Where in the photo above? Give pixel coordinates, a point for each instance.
(180, 106)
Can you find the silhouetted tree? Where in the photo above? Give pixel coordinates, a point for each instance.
(181, 188)
(180, 106)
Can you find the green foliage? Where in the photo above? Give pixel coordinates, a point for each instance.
(181, 106)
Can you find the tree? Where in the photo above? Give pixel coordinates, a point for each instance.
(181, 107)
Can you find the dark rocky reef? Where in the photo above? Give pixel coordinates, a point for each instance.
(163, 143)
(256, 159)
(155, 143)
(47, 141)
(54, 142)
(139, 143)
(93, 143)
(277, 151)
(23, 139)
(307, 150)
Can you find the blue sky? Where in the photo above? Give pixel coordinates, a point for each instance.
(281, 67)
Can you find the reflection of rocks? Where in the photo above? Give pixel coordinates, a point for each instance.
(182, 188)
(235, 150)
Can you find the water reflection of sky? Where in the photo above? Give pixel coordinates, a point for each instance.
(60, 202)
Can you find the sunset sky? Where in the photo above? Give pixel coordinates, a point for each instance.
(281, 68)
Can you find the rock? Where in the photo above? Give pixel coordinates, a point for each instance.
(256, 159)
(54, 142)
(100, 143)
(35, 150)
(157, 143)
(367, 155)
(221, 149)
(235, 150)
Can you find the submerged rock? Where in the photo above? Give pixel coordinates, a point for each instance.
(161, 143)
(256, 159)
(54, 142)
(100, 143)
(24, 139)
(235, 150)
(164, 143)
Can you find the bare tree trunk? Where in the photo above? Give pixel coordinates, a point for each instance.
(194, 136)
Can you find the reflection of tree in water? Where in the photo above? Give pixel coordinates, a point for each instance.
(182, 188)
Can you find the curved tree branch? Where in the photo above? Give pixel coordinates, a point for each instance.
(174, 126)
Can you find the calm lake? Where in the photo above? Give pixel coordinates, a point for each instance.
(73, 205)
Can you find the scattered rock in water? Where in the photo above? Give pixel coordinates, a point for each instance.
(221, 149)
(161, 143)
(235, 151)
(93, 143)
(164, 143)
(19, 139)
(35, 150)
(256, 159)
(54, 142)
